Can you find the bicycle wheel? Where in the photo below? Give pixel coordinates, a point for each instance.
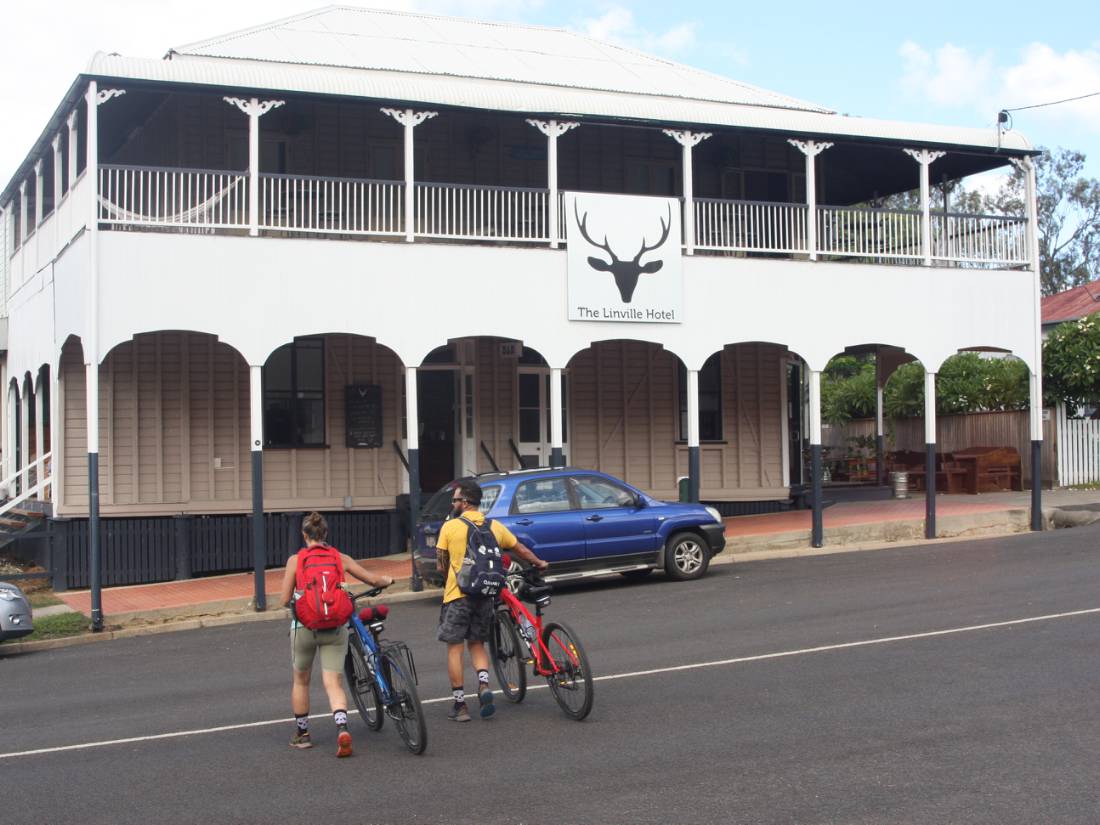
(405, 710)
(361, 684)
(572, 683)
(507, 652)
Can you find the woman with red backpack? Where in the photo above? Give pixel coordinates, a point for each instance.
(321, 608)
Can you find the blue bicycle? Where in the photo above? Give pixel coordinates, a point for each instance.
(382, 676)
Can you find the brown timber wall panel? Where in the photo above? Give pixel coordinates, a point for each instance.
(496, 404)
(623, 411)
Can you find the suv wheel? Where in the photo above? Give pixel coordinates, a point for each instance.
(686, 557)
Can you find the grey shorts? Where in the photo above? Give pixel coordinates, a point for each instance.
(466, 620)
(304, 644)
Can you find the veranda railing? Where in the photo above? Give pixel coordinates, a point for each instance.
(980, 239)
(186, 198)
(749, 226)
(880, 235)
(137, 196)
(448, 210)
(305, 203)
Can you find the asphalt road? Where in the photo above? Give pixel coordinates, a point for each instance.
(947, 684)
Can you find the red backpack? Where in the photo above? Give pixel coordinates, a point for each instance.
(322, 603)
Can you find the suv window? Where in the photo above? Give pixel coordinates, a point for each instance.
(489, 496)
(542, 495)
(594, 493)
(439, 505)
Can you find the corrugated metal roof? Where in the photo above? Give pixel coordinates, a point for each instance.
(397, 41)
(532, 98)
(1072, 304)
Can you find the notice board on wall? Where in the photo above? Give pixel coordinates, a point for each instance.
(363, 415)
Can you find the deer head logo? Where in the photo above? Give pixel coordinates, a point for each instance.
(625, 272)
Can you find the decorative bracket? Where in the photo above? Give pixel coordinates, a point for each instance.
(1024, 164)
(254, 107)
(924, 157)
(553, 128)
(689, 140)
(407, 117)
(810, 148)
(103, 95)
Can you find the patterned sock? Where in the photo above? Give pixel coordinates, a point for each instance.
(459, 694)
(340, 717)
(302, 722)
(482, 679)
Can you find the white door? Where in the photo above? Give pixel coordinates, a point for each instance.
(533, 426)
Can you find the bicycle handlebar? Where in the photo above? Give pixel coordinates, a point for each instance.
(368, 594)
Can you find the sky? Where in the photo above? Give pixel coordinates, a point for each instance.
(950, 63)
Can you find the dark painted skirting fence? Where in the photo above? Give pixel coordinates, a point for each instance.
(140, 550)
(748, 508)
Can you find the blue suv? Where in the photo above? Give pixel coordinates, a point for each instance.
(584, 523)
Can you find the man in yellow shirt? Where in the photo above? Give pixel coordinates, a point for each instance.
(466, 619)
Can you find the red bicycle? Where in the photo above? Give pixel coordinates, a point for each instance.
(554, 652)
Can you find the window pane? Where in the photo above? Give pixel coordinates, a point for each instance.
(489, 496)
(542, 496)
(277, 370)
(278, 423)
(311, 421)
(594, 493)
(529, 389)
(310, 374)
(529, 425)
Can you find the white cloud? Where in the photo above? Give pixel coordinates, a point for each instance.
(617, 25)
(951, 76)
(1045, 75)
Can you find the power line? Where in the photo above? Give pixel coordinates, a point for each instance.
(1051, 103)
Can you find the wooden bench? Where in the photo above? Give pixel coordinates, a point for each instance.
(991, 469)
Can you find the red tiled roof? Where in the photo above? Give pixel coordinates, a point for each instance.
(1072, 304)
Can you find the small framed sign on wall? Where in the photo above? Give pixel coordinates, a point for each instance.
(363, 415)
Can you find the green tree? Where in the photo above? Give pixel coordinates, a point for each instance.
(1071, 363)
(848, 388)
(1069, 218)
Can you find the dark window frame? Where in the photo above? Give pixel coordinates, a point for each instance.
(294, 394)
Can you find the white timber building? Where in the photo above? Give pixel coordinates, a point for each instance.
(234, 275)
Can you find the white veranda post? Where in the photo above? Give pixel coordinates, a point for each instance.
(410, 120)
(255, 109)
(553, 129)
(925, 158)
(688, 141)
(70, 121)
(38, 190)
(811, 150)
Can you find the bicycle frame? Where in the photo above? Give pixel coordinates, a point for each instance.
(370, 645)
(538, 648)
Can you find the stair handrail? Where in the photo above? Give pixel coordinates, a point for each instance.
(42, 481)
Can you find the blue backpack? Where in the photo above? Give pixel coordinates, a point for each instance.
(482, 572)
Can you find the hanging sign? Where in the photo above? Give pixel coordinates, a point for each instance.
(624, 261)
(363, 415)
